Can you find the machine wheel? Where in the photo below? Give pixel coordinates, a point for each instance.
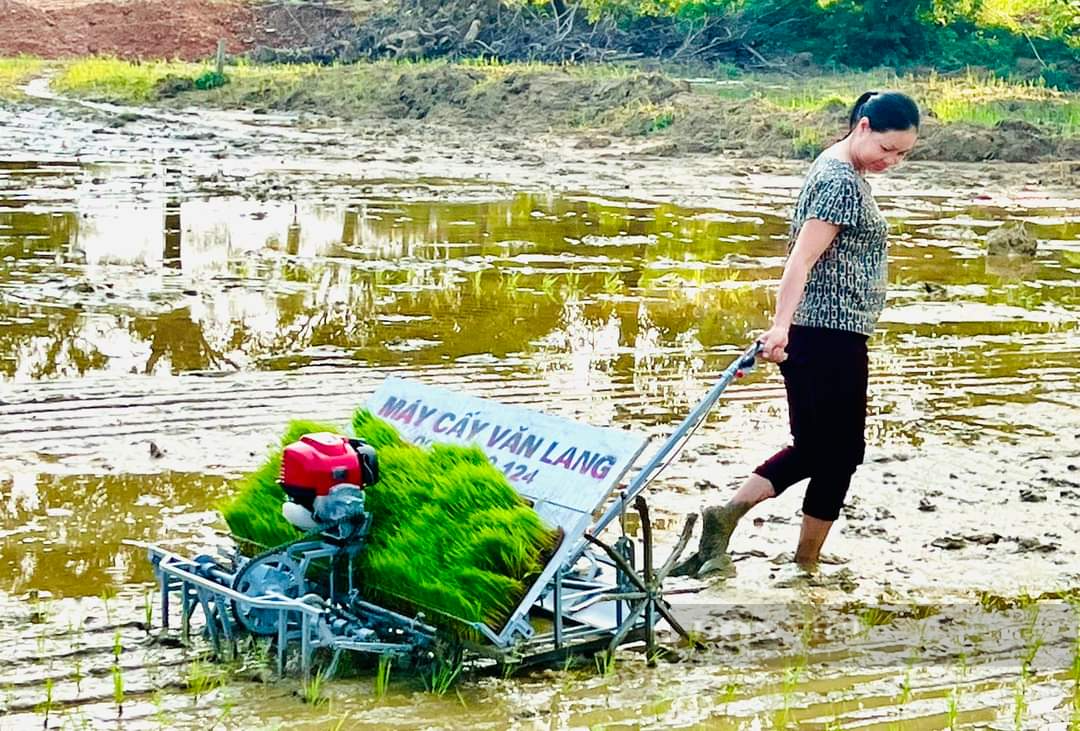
(271, 572)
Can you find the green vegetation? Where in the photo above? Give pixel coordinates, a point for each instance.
(442, 675)
(201, 678)
(312, 690)
(973, 97)
(382, 675)
(118, 689)
(449, 535)
(1037, 38)
(16, 71)
(113, 79)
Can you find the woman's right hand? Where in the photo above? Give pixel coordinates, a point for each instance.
(774, 344)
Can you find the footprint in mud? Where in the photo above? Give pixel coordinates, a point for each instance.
(827, 559)
(796, 577)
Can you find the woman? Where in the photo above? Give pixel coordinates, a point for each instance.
(831, 294)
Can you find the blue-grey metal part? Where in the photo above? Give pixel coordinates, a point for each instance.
(310, 623)
(576, 583)
(343, 504)
(740, 366)
(272, 573)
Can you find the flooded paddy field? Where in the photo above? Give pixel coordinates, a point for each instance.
(173, 288)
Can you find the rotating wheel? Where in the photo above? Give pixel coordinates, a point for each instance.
(272, 572)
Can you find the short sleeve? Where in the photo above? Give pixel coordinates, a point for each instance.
(835, 199)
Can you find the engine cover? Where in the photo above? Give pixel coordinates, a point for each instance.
(319, 461)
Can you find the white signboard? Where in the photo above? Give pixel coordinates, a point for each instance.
(567, 470)
(546, 458)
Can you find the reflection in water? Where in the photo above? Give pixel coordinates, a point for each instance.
(61, 534)
(576, 288)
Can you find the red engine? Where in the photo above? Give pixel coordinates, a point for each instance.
(311, 466)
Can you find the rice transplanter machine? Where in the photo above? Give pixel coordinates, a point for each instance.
(589, 597)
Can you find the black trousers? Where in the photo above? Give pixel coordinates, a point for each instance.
(825, 375)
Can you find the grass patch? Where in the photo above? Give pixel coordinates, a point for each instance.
(449, 536)
(113, 79)
(989, 100)
(116, 80)
(15, 72)
(980, 99)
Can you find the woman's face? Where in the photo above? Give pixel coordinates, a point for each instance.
(876, 152)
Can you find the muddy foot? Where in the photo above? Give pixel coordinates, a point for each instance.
(711, 556)
(717, 566)
(717, 528)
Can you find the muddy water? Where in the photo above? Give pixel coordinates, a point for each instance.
(163, 317)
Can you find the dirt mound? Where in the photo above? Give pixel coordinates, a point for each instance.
(524, 100)
(702, 125)
(1009, 141)
(145, 29)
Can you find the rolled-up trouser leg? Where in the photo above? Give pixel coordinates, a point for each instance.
(825, 376)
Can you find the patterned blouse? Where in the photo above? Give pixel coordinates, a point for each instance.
(846, 286)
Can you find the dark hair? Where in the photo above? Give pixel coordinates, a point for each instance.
(886, 110)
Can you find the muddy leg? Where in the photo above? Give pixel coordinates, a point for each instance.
(718, 525)
(811, 538)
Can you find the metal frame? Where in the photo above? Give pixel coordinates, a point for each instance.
(596, 597)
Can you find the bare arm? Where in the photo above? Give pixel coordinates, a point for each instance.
(814, 238)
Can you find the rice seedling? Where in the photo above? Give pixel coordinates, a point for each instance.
(312, 690)
(382, 676)
(162, 718)
(442, 675)
(46, 706)
(952, 705)
(871, 617)
(117, 646)
(1074, 716)
(605, 663)
(952, 708)
(77, 675)
(449, 536)
(148, 611)
(1034, 641)
(613, 283)
(573, 288)
(1019, 701)
(118, 690)
(508, 669)
(340, 723)
(75, 720)
(201, 678)
(107, 594)
(905, 687)
(512, 283)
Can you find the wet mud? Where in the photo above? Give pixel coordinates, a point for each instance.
(172, 291)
